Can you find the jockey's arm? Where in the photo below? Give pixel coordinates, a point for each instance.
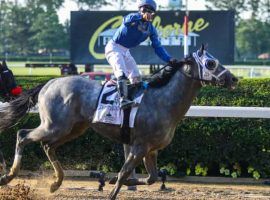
(159, 50)
(131, 18)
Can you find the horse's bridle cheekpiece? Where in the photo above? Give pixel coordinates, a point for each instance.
(207, 65)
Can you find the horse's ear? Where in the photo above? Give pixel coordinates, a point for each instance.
(206, 46)
(201, 49)
(4, 64)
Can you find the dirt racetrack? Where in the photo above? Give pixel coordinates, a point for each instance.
(85, 188)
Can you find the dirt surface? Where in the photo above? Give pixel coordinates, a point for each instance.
(84, 188)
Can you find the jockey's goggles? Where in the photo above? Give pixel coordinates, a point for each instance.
(147, 9)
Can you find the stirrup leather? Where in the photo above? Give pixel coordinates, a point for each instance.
(125, 103)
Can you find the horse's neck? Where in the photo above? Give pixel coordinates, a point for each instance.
(179, 94)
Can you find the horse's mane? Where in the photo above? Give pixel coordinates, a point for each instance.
(163, 77)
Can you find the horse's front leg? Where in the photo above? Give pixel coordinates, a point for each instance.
(150, 163)
(133, 173)
(133, 160)
(22, 140)
(3, 165)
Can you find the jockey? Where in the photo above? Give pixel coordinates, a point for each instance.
(135, 28)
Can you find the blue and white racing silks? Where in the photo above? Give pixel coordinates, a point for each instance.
(134, 31)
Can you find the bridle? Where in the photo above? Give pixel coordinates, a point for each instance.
(212, 78)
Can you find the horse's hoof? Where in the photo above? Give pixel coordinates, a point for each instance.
(132, 188)
(3, 180)
(55, 186)
(113, 180)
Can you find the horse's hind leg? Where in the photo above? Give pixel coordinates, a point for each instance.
(49, 149)
(22, 140)
(133, 173)
(50, 152)
(150, 163)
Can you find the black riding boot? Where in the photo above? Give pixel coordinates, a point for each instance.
(123, 91)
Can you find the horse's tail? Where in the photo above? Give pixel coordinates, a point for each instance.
(12, 112)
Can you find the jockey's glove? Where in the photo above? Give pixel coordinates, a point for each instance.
(173, 61)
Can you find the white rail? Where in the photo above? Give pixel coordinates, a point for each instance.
(222, 111)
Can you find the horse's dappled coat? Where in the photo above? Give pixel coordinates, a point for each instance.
(67, 104)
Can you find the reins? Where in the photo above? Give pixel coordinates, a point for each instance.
(155, 72)
(185, 74)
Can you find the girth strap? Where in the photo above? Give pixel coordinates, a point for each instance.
(125, 129)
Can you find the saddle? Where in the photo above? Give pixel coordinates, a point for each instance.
(108, 107)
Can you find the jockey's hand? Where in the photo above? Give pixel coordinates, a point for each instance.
(147, 16)
(173, 61)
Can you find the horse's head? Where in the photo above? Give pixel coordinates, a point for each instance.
(3, 66)
(8, 84)
(202, 66)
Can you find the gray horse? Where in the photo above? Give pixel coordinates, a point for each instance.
(67, 106)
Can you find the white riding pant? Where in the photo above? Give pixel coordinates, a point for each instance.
(122, 62)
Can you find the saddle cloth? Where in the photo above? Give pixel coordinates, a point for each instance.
(108, 108)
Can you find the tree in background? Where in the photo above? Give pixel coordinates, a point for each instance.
(15, 24)
(45, 4)
(48, 34)
(92, 3)
(18, 25)
(253, 37)
(265, 10)
(252, 34)
(238, 6)
(26, 27)
(67, 35)
(3, 25)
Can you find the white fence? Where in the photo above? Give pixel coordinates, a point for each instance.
(250, 71)
(222, 111)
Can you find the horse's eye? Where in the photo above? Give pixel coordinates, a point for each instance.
(210, 64)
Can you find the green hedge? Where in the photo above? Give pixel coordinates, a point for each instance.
(36, 58)
(201, 146)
